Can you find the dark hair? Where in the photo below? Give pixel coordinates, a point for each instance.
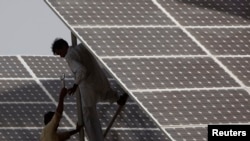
(59, 43)
(48, 116)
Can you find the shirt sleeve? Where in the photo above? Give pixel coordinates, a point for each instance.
(78, 70)
(73, 58)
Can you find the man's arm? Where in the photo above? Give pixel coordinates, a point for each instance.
(80, 73)
(54, 122)
(67, 134)
(59, 108)
(76, 130)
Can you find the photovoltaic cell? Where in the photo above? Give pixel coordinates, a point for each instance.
(48, 67)
(10, 66)
(197, 106)
(132, 117)
(25, 115)
(208, 13)
(139, 41)
(162, 73)
(192, 134)
(239, 66)
(106, 12)
(54, 86)
(231, 41)
(19, 134)
(21, 91)
(137, 135)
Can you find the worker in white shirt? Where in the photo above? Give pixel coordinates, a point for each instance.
(90, 81)
(52, 120)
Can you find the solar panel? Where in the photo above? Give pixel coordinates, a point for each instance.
(11, 67)
(239, 66)
(197, 107)
(24, 99)
(224, 41)
(184, 63)
(186, 68)
(107, 12)
(155, 41)
(208, 13)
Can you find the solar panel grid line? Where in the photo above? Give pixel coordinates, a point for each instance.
(32, 128)
(153, 118)
(107, 103)
(16, 78)
(199, 44)
(123, 26)
(184, 126)
(25, 78)
(20, 128)
(162, 26)
(70, 128)
(201, 125)
(232, 56)
(121, 128)
(42, 86)
(55, 78)
(186, 89)
(25, 102)
(35, 78)
(219, 27)
(154, 56)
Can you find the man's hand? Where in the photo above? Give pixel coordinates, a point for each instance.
(73, 89)
(78, 128)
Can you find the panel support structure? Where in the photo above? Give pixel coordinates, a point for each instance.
(78, 98)
(73, 39)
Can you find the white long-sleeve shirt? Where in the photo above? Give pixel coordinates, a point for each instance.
(92, 82)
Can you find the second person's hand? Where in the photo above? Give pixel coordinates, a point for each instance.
(72, 90)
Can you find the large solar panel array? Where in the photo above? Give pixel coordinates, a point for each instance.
(185, 62)
(29, 88)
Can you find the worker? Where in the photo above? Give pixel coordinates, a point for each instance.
(51, 121)
(90, 81)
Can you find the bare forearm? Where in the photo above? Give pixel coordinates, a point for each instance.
(60, 105)
(59, 108)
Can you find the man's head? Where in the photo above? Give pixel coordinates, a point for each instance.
(60, 47)
(48, 116)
